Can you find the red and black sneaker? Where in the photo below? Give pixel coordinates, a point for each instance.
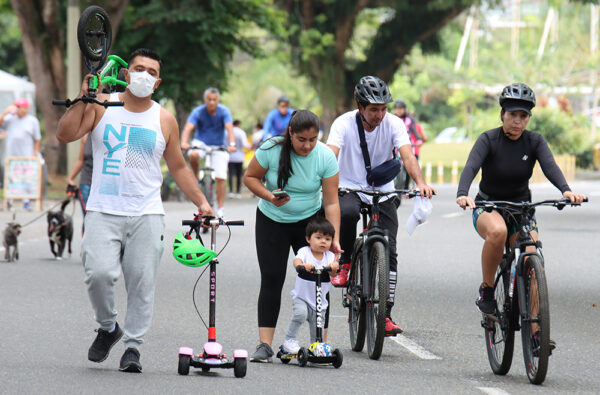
(391, 328)
(342, 277)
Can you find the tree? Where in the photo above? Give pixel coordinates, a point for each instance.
(196, 40)
(42, 24)
(321, 33)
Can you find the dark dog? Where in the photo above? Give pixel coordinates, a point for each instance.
(11, 233)
(60, 230)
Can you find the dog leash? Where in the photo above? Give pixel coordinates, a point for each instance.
(45, 212)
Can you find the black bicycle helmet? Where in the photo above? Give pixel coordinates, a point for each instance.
(517, 96)
(399, 103)
(283, 99)
(372, 90)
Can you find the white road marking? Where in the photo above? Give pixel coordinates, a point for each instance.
(453, 215)
(414, 347)
(493, 391)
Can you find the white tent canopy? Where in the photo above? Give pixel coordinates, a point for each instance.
(12, 87)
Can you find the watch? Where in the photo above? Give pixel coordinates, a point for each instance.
(232, 144)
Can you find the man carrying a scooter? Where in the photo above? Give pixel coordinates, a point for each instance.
(124, 223)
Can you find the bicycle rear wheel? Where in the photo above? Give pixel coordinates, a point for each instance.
(376, 299)
(499, 334)
(536, 345)
(356, 306)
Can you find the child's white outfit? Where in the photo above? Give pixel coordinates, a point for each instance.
(303, 298)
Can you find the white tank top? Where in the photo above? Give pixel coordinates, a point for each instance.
(127, 147)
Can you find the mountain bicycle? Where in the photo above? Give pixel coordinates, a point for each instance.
(521, 295)
(190, 251)
(367, 290)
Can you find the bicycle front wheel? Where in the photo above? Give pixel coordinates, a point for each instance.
(535, 328)
(356, 306)
(499, 335)
(208, 189)
(376, 299)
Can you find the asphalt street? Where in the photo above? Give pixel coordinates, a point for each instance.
(47, 325)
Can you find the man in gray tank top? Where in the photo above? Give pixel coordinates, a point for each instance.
(124, 221)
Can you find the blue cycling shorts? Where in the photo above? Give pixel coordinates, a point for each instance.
(511, 224)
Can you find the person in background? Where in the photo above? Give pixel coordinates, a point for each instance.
(257, 136)
(278, 118)
(84, 165)
(236, 160)
(23, 137)
(213, 124)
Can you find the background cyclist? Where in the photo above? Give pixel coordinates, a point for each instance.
(213, 124)
(415, 131)
(382, 133)
(506, 156)
(277, 119)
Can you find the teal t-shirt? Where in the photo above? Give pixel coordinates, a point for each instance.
(304, 185)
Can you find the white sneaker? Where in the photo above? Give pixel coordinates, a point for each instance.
(238, 195)
(230, 195)
(220, 212)
(291, 346)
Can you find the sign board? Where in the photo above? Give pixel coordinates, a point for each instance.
(23, 179)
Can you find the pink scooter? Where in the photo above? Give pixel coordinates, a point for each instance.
(211, 356)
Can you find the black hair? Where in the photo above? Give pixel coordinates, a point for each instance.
(147, 53)
(300, 121)
(236, 122)
(320, 224)
(259, 125)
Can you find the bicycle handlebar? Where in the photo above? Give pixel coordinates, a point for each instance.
(208, 148)
(88, 99)
(489, 205)
(410, 193)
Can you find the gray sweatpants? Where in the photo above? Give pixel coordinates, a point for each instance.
(134, 245)
(302, 313)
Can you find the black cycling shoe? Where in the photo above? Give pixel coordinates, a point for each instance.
(535, 341)
(487, 301)
(104, 341)
(130, 361)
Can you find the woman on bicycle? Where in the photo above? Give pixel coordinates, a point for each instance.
(506, 156)
(300, 165)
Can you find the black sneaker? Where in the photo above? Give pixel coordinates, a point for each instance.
(263, 353)
(487, 301)
(130, 361)
(105, 340)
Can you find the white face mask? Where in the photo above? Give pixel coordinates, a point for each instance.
(141, 83)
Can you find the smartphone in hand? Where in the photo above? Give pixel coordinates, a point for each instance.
(280, 194)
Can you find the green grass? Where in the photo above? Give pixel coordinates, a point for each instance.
(445, 153)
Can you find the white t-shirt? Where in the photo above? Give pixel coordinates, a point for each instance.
(305, 289)
(343, 134)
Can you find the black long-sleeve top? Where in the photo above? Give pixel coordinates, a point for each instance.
(507, 165)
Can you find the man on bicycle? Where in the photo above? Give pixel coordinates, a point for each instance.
(124, 224)
(382, 133)
(211, 120)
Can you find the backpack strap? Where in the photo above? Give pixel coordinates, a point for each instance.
(363, 142)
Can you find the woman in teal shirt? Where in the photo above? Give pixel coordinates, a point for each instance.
(307, 171)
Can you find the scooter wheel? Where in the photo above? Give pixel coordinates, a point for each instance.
(339, 358)
(302, 357)
(184, 365)
(205, 369)
(239, 367)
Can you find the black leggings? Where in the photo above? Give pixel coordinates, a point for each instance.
(273, 242)
(235, 170)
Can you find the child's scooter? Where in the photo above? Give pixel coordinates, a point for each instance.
(318, 351)
(191, 252)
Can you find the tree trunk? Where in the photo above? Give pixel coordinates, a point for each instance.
(44, 48)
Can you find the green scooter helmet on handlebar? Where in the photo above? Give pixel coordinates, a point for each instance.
(191, 252)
